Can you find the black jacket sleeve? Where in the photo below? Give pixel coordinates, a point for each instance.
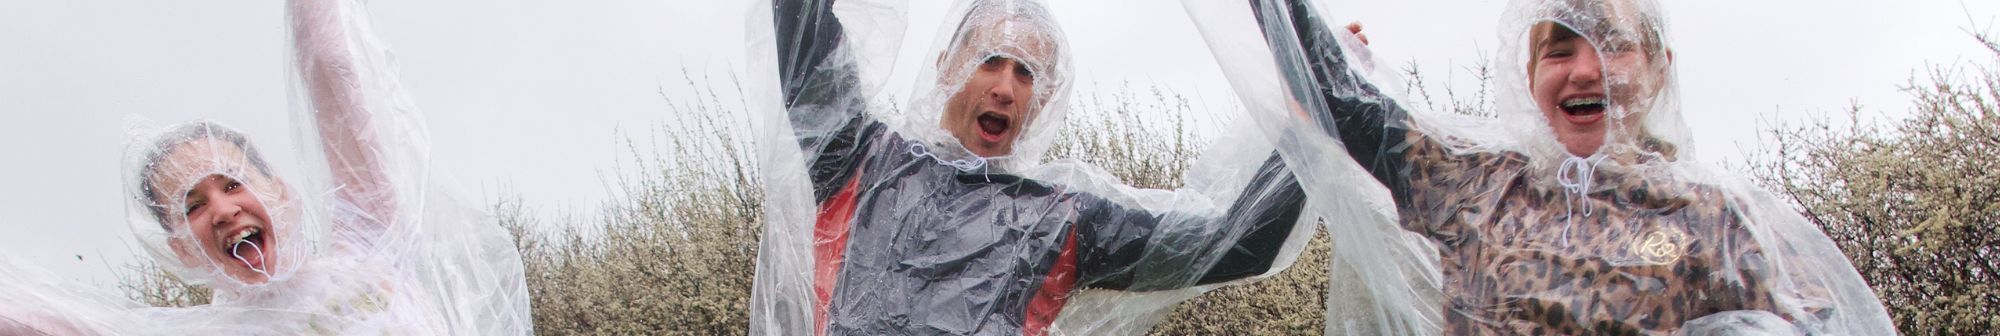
(821, 92)
(1373, 127)
(1130, 249)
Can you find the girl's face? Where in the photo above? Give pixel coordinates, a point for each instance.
(217, 211)
(1575, 84)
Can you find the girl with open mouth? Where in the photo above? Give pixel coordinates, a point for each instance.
(1575, 211)
(358, 240)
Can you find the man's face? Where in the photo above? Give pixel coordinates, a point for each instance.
(217, 218)
(987, 114)
(1569, 84)
(998, 97)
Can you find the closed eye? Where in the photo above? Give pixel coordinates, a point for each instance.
(1558, 53)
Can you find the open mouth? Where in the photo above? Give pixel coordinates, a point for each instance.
(1584, 110)
(248, 246)
(993, 125)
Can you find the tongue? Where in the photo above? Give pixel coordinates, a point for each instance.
(250, 254)
(992, 125)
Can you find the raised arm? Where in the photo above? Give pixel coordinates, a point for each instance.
(807, 34)
(1133, 249)
(324, 38)
(1375, 129)
(822, 93)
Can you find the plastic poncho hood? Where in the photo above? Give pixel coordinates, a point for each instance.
(364, 238)
(880, 222)
(1500, 226)
(960, 88)
(1624, 59)
(207, 206)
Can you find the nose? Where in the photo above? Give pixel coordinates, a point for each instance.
(1590, 72)
(225, 211)
(1003, 91)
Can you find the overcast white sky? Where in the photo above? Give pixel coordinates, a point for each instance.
(530, 99)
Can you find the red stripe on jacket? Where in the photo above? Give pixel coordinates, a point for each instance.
(1055, 290)
(829, 246)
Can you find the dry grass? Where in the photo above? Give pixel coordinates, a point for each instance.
(674, 255)
(1124, 134)
(147, 282)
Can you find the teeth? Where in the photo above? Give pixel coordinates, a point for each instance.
(1583, 101)
(241, 236)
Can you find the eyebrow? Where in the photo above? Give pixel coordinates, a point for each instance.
(1556, 35)
(191, 190)
(188, 195)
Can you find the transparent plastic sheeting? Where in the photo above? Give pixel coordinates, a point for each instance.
(1575, 211)
(364, 240)
(938, 215)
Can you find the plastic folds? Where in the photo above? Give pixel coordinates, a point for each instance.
(1573, 212)
(365, 239)
(942, 217)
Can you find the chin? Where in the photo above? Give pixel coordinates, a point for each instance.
(1584, 150)
(987, 151)
(253, 280)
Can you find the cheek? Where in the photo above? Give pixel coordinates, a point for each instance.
(1545, 83)
(1545, 92)
(188, 251)
(251, 205)
(1026, 91)
(956, 110)
(195, 223)
(968, 91)
(1632, 66)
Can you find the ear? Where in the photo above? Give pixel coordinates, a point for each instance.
(944, 73)
(940, 59)
(280, 206)
(279, 188)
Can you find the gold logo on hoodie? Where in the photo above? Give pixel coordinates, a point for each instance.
(1660, 247)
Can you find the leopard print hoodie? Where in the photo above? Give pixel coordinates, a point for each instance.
(1626, 241)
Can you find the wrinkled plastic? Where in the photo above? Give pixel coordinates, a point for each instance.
(198, 190)
(1503, 226)
(364, 240)
(882, 220)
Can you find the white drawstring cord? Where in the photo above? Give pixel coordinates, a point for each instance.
(1575, 176)
(963, 165)
(246, 263)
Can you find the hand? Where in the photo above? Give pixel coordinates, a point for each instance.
(1355, 27)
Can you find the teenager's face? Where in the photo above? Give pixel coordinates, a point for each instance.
(998, 97)
(1569, 82)
(218, 218)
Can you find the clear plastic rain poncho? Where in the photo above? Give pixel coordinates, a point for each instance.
(1575, 211)
(364, 240)
(938, 215)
